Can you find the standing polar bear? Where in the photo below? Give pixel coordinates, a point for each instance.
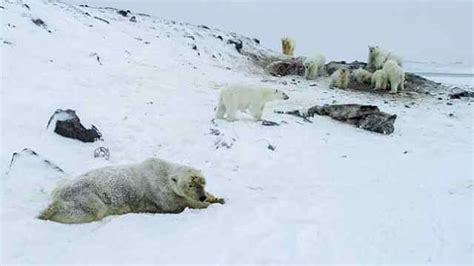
(244, 98)
(378, 57)
(314, 66)
(340, 78)
(379, 80)
(288, 46)
(395, 75)
(153, 186)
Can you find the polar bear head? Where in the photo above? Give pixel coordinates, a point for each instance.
(189, 183)
(274, 94)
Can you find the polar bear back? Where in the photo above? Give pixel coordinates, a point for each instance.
(119, 185)
(243, 96)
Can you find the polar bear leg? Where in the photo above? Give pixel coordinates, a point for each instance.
(394, 87)
(402, 84)
(213, 199)
(256, 111)
(220, 110)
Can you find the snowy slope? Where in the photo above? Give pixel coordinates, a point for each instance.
(329, 193)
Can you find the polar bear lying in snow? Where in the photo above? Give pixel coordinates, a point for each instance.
(378, 57)
(314, 66)
(395, 75)
(244, 98)
(153, 186)
(288, 46)
(340, 78)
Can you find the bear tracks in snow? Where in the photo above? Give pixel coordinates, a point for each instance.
(69, 125)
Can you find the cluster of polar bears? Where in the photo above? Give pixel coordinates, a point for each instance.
(159, 186)
(384, 69)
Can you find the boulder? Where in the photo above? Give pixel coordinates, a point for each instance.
(285, 67)
(68, 124)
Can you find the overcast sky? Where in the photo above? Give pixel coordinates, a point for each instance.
(440, 31)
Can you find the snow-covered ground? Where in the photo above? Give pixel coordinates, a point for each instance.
(328, 193)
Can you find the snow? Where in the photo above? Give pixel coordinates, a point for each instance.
(328, 193)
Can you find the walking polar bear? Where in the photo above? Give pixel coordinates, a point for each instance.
(153, 186)
(314, 66)
(244, 98)
(288, 46)
(378, 57)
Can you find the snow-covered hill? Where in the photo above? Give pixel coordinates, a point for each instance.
(328, 193)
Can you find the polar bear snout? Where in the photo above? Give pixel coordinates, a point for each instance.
(202, 198)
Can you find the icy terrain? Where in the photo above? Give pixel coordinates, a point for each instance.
(328, 193)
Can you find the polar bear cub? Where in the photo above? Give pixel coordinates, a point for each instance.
(379, 80)
(378, 57)
(288, 46)
(340, 78)
(362, 76)
(395, 75)
(153, 186)
(314, 66)
(244, 98)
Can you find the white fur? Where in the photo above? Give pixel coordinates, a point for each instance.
(154, 186)
(288, 46)
(340, 78)
(244, 98)
(362, 75)
(395, 75)
(378, 57)
(314, 66)
(379, 80)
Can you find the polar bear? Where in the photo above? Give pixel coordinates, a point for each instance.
(340, 78)
(288, 46)
(243, 98)
(395, 75)
(378, 56)
(314, 66)
(362, 76)
(379, 80)
(153, 186)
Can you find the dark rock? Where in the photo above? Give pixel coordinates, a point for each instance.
(203, 27)
(83, 5)
(195, 47)
(462, 94)
(332, 66)
(27, 6)
(101, 19)
(286, 67)
(271, 147)
(219, 37)
(69, 125)
(102, 152)
(238, 44)
(257, 41)
(190, 37)
(123, 13)
(367, 117)
(133, 19)
(38, 22)
(448, 103)
(269, 123)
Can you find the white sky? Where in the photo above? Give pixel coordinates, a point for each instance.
(440, 31)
